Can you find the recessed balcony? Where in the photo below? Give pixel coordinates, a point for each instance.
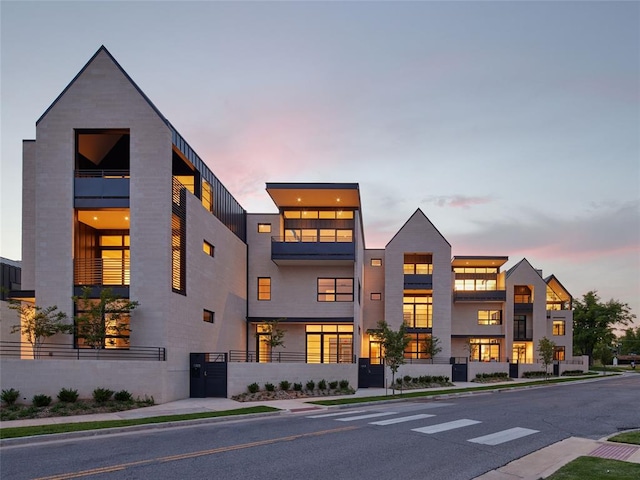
(101, 272)
(285, 251)
(101, 188)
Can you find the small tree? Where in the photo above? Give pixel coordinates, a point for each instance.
(37, 324)
(271, 334)
(546, 349)
(101, 319)
(394, 344)
(431, 346)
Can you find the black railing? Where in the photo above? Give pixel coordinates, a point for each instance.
(287, 357)
(102, 173)
(61, 351)
(426, 361)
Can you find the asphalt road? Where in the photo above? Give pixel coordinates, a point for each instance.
(454, 439)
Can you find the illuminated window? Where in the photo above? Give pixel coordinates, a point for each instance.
(335, 289)
(264, 228)
(417, 311)
(207, 196)
(376, 296)
(476, 278)
(329, 343)
(207, 248)
(558, 327)
(521, 294)
(418, 346)
(418, 264)
(208, 316)
(376, 262)
(489, 317)
(484, 350)
(264, 288)
(558, 354)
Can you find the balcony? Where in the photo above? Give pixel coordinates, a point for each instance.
(309, 251)
(522, 307)
(101, 272)
(480, 296)
(101, 188)
(418, 282)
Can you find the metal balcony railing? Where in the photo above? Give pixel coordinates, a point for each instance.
(288, 357)
(102, 173)
(61, 351)
(101, 271)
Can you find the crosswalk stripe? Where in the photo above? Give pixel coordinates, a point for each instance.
(391, 421)
(442, 427)
(504, 436)
(324, 415)
(362, 417)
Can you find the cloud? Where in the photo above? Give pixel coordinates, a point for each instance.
(456, 201)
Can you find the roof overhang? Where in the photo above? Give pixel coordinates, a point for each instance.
(478, 261)
(23, 295)
(346, 195)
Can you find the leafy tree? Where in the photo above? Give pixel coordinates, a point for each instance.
(545, 349)
(630, 341)
(37, 323)
(431, 346)
(594, 321)
(394, 344)
(271, 334)
(101, 319)
(604, 353)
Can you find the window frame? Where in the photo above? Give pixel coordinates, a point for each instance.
(376, 262)
(561, 331)
(264, 226)
(208, 316)
(338, 294)
(373, 294)
(489, 320)
(206, 245)
(263, 289)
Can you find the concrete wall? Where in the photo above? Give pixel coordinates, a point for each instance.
(486, 367)
(33, 377)
(417, 370)
(240, 375)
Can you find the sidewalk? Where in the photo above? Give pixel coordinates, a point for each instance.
(539, 464)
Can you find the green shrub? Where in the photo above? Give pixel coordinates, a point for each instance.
(414, 380)
(10, 396)
(311, 385)
(123, 396)
(41, 400)
(102, 395)
(399, 381)
(322, 384)
(344, 384)
(269, 387)
(68, 395)
(253, 388)
(333, 385)
(538, 374)
(407, 378)
(285, 385)
(297, 387)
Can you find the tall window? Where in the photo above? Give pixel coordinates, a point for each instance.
(417, 310)
(264, 288)
(114, 254)
(335, 289)
(207, 196)
(558, 354)
(558, 327)
(329, 343)
(484, 350)
(417, 346)
(418, 264)
(519, 327)
(489, 317)
(178, 273)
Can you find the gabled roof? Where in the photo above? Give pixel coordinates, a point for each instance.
(418, 211)
(555, 285)
(104, 50)
(524, 262)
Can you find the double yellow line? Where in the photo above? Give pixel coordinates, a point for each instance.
(183, 456)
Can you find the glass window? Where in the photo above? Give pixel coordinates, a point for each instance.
(309, 235)
(310, 214)
(489, 317)
(264, 228)
(558, 354)
(264, 288)
(418, 264)
(327, 214)
(329, 343)
(376, 262)
(292, 214)
(207, 196)
(418, 311)
(376, 296)
(344, 214)
(484, 350)
(207, 316)
(335, 289)
(327, 235)
(344, 235)
(292, 235)
(207, 248)
(558, 327)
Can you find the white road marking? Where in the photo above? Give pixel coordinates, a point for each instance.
(442, 427)
(504, 436)
(324, 415)
(362, 417)
(410, 418)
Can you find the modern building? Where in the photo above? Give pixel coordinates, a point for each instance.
(115, 198)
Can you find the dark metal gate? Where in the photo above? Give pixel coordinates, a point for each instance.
(459, 369)
(208, 375)
(514, 370)
(370, 375)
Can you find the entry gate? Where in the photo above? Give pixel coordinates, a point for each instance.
(514, 370)
(459, 369)
(370, 375)
(208, 376)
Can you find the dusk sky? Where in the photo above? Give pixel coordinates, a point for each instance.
(514, 126)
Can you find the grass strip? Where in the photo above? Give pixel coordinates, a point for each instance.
(15, 432)
(431, 393)
(593, 468)
(627, 437)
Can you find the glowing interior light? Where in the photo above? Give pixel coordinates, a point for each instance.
(299, 199)
(95, 218)
(126, 218)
